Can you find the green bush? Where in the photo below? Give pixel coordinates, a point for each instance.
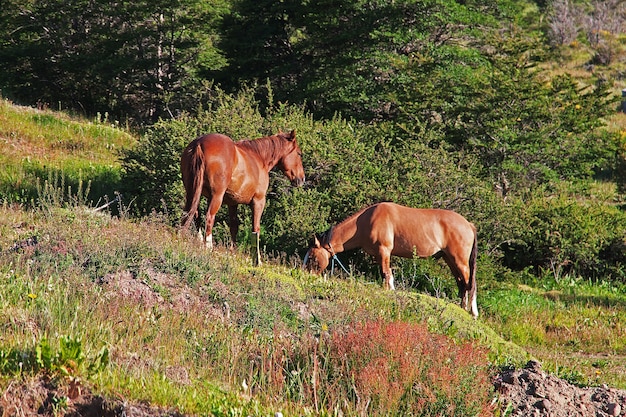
(151, 170)
(68, 360)
(562, 236)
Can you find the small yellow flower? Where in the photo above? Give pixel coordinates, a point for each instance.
(578, 107)
(32, 296)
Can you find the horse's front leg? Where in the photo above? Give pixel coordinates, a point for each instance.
(233, 223)
(384, 259)
(257, 207)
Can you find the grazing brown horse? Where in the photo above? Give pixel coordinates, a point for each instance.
(387, 229)
(235, 173)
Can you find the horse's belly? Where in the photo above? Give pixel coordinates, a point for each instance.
(422, 249)
(232, 198)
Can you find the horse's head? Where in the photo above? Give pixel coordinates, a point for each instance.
(317, 257)
(291, 163)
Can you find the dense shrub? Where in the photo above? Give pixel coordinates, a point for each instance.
(151, 170)
(562, 236)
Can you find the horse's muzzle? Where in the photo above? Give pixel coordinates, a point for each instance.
(298, 182)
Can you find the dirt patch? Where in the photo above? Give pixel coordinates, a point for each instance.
(41, 397)
(532, 392)
(158, 289)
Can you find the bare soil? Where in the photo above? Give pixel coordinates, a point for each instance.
(532, 392)
(41, 397)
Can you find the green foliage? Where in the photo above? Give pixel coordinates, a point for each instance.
(68, 360)
(525, 129)
(343, 56)
(561, 236)
(151, 170)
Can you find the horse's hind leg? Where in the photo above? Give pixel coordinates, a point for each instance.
(198, 223)
(460, 271)
(214, 205)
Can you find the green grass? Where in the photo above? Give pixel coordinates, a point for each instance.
(52, 136)
(575, 327)
(43, 145)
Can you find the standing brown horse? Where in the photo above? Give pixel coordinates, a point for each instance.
(235, 173)
(387, 229)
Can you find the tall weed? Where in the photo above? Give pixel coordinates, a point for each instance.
(375, 368)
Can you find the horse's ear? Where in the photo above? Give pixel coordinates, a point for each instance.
(315, 242)
(292, 135)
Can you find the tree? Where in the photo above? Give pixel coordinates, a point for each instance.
(257, 37)
(131, 59)
(529, 129)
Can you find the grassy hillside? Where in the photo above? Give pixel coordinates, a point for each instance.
(181, 326)
(133, 310)
(44, 145)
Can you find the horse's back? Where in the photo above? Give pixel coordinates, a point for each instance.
(425, 231)
(216, 145)
(212, 145)
(219, 153)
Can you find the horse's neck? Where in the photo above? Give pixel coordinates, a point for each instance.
(341, 235)
(266, 148)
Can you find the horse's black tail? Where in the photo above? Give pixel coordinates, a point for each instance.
(193, 179)
(472, 266)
